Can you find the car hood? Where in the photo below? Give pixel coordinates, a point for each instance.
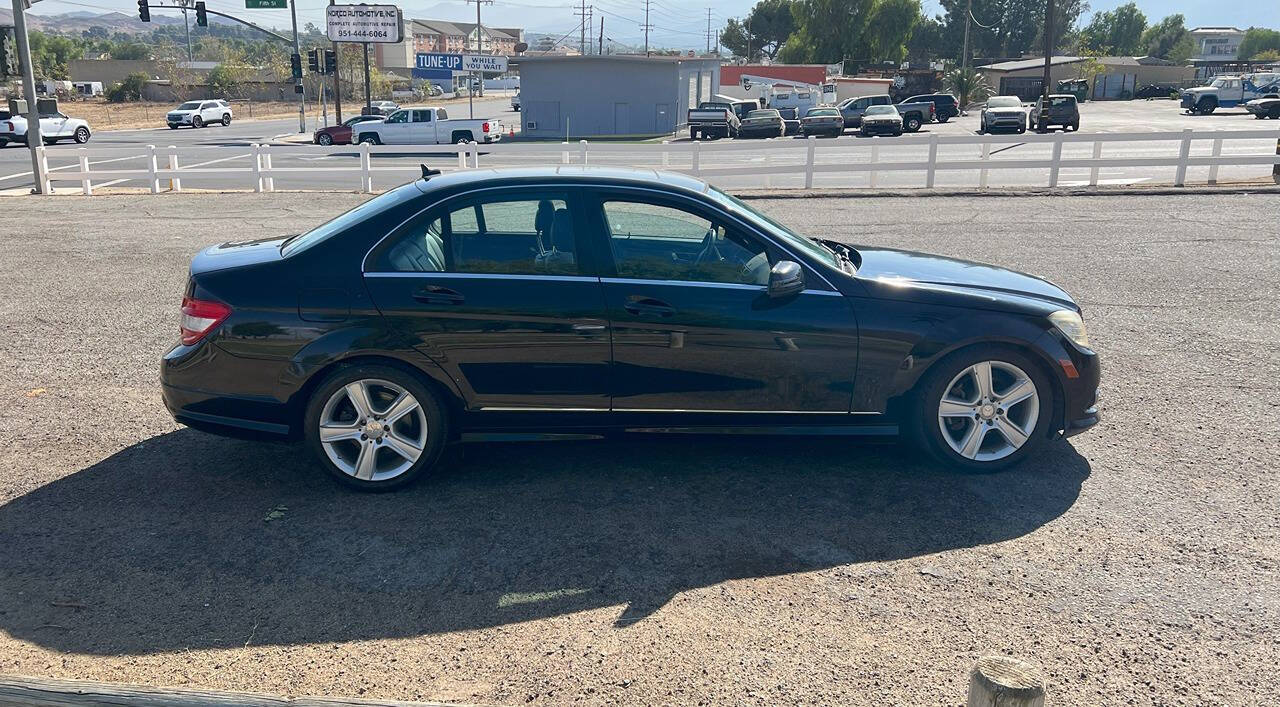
(175, 111)
(234, 254)
(901, 269)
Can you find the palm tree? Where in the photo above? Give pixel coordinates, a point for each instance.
(968, 85)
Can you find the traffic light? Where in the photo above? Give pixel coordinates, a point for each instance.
(313, 61)
(202, 19)
(144, 13)
(295, 65)
(330, 62)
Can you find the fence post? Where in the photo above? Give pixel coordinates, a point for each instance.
(268, 182)
(985, 157)
(933, 160)
(85, 182)
(1055, 160)
(462, 155)
(174, 182)
(1093, 171)
(1184, 151)
(475, 155)
(366, 177)
(1213, 168)
(666, 154)
(1275, 167)
(45, 186)
(564, 152)
(255, 164)
(812, 140)
(1004, 681)
(695, 162)
(583, 145)
(151, 169)
(875, 157)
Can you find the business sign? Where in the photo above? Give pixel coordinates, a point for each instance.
(266, 4)
(488, 64)
(364, 23)
(461, 62)
(446, 62)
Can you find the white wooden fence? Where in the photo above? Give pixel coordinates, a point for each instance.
(756, 163)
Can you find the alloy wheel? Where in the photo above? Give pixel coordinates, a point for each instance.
(373, 429)
(988, 411)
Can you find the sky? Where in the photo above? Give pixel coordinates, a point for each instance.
(676, 24)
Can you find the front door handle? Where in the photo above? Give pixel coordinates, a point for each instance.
(435, 294)
(640, 305)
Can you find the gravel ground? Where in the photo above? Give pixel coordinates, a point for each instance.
(1137, 564)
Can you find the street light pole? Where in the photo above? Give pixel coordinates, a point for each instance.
(964, 54)
(34, 141)
(1043, 113)
(301, 90)
(187, 24)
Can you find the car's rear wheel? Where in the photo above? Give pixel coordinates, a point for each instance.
(375, 428)
(984, 409)
(943, 118)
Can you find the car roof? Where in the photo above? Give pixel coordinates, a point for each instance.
(566, 174)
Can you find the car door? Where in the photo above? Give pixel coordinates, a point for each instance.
(54, 125)
(694, 329)
(497, 288)
(396, 129)
(422, 128)
(853, 111)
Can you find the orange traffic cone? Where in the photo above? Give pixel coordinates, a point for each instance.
(511, 131)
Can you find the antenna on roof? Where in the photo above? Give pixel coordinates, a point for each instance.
(427, 172)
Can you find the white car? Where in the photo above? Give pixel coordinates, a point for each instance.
(385, 107)
(515, 103)
(198, 114)
(53, 127)
(1003, 113)
(423, 125)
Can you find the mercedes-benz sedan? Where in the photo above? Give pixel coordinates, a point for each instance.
(562, 302)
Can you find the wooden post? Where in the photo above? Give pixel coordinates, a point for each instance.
(583, 145)
(1056, 159)
(695, 162)
(1275, 168)
(268, 182)
(1093, 171)
(875, 157)
(85, 182)
(564, 152)
(175, 183)
(933, 160)
(986, 157)
(366, 177)
(1184, 151)
(1213, 168)
(462, 155)
(255, 163)
(151, 169)
(812, 140)
(1001, 681)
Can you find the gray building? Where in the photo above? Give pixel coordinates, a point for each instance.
(612, 95)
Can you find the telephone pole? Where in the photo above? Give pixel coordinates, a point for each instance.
(964, 53)
(1048, 60)
(34, 141)
(298, 86)
(708, 30)
(647, 26)
(479, 48)
(581, 14)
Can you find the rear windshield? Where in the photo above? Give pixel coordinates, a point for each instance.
(830, 112)
(763, 114)
(370, 208)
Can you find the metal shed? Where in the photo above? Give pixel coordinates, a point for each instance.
(574, 97)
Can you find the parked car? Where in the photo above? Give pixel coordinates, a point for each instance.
(1230, 91)
(764, 122)
(1003, 113)
(1264, 108)
(515, 102)
(1063, 111)
(914, 114)
(712, 119)
(822, 121)
(791, 126)
(422, 125)
(54, 127)
(1157, 90)
(384, 107)
(881, 120)
(341, 134)
(198, 114)
(467, 303)
(945, 105)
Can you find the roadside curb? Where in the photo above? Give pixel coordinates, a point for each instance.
(24, 691)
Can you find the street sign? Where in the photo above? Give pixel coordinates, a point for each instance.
(266, 4)
(447, 62)
(488, 64)
(364, 23)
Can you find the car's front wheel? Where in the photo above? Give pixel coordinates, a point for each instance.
(984, 409)
(324, 139)
(197, 122)
(226, 119)
(374, 427)
(81, 135)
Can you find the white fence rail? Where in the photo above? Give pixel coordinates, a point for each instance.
(757, 164)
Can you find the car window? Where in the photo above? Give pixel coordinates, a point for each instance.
(400, 116)
(880, 100)
(495, 235)
(441, 114)
(421, 115)
(656, 242)
(189, 105)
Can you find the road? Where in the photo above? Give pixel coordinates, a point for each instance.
(1135, 563)
(225, 148)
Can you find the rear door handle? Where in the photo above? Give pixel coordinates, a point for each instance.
(435, 294)
(640, 305)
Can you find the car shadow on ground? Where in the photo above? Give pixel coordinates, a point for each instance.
(189, 541)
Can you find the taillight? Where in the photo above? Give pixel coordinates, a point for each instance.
(9, 126)
(485, 127)
(199, 317)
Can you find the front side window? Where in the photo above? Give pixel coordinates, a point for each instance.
(400, 116)
(656, 242)
(496, 235)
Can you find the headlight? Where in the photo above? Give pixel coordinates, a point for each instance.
(1071, 326)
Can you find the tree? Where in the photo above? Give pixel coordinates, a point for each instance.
(891, 25)
(130, 50)
(968, 85)
(130, 89)
(1009, 28)
(859, 31)
(228, 78)
(926, 43)
(771, 22)
(1160, 39)
(1118, 31)
(1258, 40)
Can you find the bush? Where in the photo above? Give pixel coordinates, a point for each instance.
(128, 90)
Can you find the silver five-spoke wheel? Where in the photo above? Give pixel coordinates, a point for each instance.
(988, 410)
(373, 429)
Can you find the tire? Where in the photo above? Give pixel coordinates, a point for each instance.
(1259, 116)
(1275, 112)
(324, 139)
(1207, 106)
(1022, 129)
(197, 122)
(226, 119)
(954, 376)
(1075, 127)
(911, 123)
(460, 138)
(943, 118)
(693, 134)
(343, 453)
(81, 135)
(370, 139)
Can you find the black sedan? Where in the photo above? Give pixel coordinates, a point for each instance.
(545, 303)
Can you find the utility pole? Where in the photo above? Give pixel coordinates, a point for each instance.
(647, 26)
(964, 53)
(34, 141)
(368, 97)
(479, 50)
(748, 39)
(600, 46)
(299, 88)
(187, 25)
(708, 30)
(582, 27)
(1048, 62)
(337, 79)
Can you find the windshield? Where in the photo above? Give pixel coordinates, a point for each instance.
(830, 112)
(1004, 102)
(321, 233)
(189, 105)
(1218, 83)
(881, 110)
(787, 236)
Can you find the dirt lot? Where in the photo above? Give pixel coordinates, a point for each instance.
(116, 116)
(1138, 564)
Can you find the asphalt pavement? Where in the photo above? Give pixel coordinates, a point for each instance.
(1136, 563)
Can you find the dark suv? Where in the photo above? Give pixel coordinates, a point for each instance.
(1063, 111)
(945, 105)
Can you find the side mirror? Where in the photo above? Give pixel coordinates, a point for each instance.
(785, 278)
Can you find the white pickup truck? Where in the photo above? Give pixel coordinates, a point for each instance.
(1230, 91)
(418, 125)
